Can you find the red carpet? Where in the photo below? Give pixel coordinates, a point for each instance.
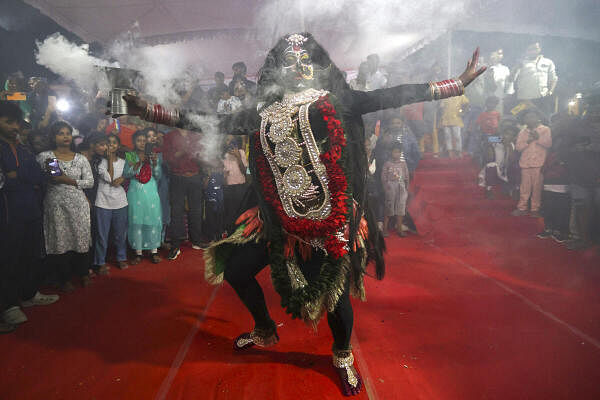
(475, 307)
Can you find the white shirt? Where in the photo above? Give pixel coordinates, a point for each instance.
(228, 106)
(500, 74)
(375, 81)
(534, 78)
(110, 197)
(354, 85)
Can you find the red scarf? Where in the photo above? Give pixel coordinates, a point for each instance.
(145, 172)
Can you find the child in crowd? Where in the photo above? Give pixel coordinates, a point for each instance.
(488, 121)
(94, 149)
(452, 124)
(394, 178)
(508, 132)
(156, 139)
(143, 168)
(533, 142)
(111, 207)
(492, 146)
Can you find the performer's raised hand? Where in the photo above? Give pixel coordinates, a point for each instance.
(471, 72)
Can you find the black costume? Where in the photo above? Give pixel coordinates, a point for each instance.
(312, 223)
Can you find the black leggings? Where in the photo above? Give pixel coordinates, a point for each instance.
(249, 259)
(556, 208)
(68, 265)
(21, 272)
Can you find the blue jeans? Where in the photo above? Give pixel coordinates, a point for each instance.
(107, 219)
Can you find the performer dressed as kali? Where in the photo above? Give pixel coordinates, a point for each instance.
(307, 215)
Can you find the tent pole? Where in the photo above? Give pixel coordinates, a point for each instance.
(450, 44)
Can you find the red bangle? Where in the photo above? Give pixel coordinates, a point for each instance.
(446, 88)
(160, 115)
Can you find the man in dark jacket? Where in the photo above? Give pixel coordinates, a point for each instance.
(21, 235)
(583, 165)
(214, 93)
(239, 75)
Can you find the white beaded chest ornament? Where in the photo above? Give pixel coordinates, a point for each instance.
(300, 176)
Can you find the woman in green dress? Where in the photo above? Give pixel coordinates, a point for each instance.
(143, 168)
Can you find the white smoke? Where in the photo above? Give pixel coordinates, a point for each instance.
(356, 28)
(211, 140)
(349, 29)
(72, 62)
(168, 70)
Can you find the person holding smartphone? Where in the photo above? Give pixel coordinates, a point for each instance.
(144, 212)
(67, 228)
(21, 239)
(156, 140)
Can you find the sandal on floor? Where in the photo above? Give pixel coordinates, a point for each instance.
(67, 287)
(350, 379)
(104, 270)
(86, 281)
(136, 260)
(249, 339)
(156, 258)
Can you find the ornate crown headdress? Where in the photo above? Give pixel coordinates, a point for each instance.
(296, 40)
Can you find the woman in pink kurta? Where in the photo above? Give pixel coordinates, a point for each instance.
(533, 142)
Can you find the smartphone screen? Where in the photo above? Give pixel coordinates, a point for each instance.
(54, 167)
(149, 149)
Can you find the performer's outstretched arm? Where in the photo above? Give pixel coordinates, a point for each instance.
(243, 122)
(397, 96)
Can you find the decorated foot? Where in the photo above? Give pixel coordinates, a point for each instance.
(349, 378)
(254, 338)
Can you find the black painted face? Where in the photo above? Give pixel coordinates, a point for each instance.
(298, 70)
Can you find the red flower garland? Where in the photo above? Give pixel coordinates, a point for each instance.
(337, 185)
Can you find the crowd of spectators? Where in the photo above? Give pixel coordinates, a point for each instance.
(78, 195)
(80, 190)
(545, 157)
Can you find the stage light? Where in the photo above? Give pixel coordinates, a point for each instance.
(63, 105)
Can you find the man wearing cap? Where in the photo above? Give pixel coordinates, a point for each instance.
(21, 235)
